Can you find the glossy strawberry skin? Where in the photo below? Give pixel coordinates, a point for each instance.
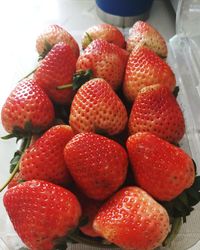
(156, 110)
(41, 212)
(160, 168)
(57, 69)
(103, 31)
(143, 34)
(27, 103)
(131, 219)
(145, 68)
(96, 107)
(52, 35)
(44, 160)
(106, 61)
(97, 164)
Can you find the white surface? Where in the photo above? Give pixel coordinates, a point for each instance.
(20, 23)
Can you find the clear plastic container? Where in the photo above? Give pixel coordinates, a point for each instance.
(184, 58)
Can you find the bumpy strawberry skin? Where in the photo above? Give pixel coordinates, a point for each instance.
(97, 164)
(52, 35)
(103, 31)
(143, 34)
(41, 212)
(44, 160)
(96, 107)
(106, 61)
(57, 69)
(27, 104)
(160, 168)
(145, 68)
(131, 219)
(156, 110)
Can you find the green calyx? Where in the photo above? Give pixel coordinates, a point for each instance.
(47, 48)
(25, 132)
(183, 204)
(79, 78)
(75, 236)
(15, 161)
(89, 37)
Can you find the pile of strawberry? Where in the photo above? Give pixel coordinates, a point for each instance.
(99, 161)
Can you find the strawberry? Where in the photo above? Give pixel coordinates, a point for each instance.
(156, 110)
(57, 69)
(160, 168)
(145, 68)
(44, 160)
(106, 61)
(131, 219)
(90, 208)
(103, 31)
(52, 35)
(98, 173)
(41, 212)
(27, 109)
(96, 107)
(143, 34)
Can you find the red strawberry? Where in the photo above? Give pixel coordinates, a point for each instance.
(103, 31)
(145, 68)
(156, 110)
(44, 160)
(143, 34)
(57, 69)
(131, 219)
(90, 209)
(27, 108)
(41, 212)
(106, 61)
(160, 168)
(97, 164)
(53, 35)
(96, 107)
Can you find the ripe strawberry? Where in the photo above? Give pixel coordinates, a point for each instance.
(44, 160)
(57, 69)
(97, 164)
(103, 31)
(90, 209)
(160, 168)
(96, 107)
(52, 35)
(131, 219)
(27, 108)
(156, 110)
(145, 68)
(41, 212)
(106, 61)
(143, 34)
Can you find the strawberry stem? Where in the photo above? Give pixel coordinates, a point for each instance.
(25, 144)
(30, 73)
(66, 86)
(79, 78)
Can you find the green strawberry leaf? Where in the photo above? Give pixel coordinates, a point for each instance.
(176, 224)
(47, 48)
(79, 78)
(76, 236)
(14, 161)
(83, 221)
(176, 91)
(89, 37)
(183, 204)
